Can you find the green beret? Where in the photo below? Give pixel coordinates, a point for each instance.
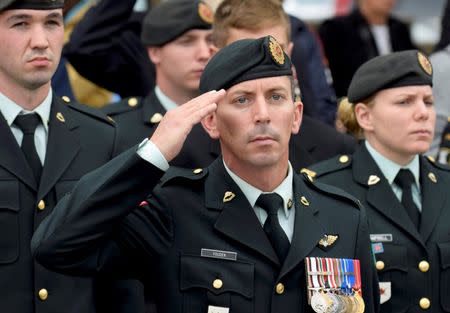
(398, 69)
(244, 60)
(31, 4)
(170, 19)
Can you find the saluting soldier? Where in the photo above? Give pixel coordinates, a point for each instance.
(232, 237)
(406, 195)
(47, 144)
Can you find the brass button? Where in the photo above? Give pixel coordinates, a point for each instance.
(217, 283)
(424, 266)
(132, 102)
(43, 294)
(41, 205)
(379, 265)
(279, 288)
(198, 171)
(425, 303)
(156, 118)
(65, 99)
(344, 159)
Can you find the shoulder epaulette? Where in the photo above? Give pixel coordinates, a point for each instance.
(330, 189)
(177, 173)
(438, 165)
(332, 165)
(85, 109)
(125, 105)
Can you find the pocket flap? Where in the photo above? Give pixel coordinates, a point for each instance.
(9, 195)
(444, 251)
(394, 258)
(201, 272)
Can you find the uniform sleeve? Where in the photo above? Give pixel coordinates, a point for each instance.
(100, 224)
(369, 278)
(105, 48)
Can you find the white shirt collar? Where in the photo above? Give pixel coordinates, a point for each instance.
(10, 109)
(285, 189)
(390, 169)
(166, 102)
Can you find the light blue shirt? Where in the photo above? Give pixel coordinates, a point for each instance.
(166, 102)
(286, 216)
(390, 170)
(10, 110)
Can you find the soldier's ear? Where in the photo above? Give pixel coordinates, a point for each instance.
(363, 116)
(209, 123)
(154, 54)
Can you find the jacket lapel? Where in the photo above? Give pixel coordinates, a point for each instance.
(307, 228)
(433, 198)
(152, 106)
(62, 147)
(237, 219)
(380, 194)
(12, 158)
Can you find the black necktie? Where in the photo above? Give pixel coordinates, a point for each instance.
(271, 203)
(404, 180)
(28, 123)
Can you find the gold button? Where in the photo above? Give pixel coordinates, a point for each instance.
(344, 159)
(379, 265)
(280, 288)
(43, 294)
(65, 99)
(198, 171)
(424, 266)
(424, 303)
(217, 283)
(132, 102)
(41, 205)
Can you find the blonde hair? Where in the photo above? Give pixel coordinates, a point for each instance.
(346, 117)
(249, 15)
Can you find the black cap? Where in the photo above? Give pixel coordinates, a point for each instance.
(170, 19)
(398, 69)
(244, 60)
(31, 4)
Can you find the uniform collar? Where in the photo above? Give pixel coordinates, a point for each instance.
(390, 169)
(285, 189)
(10, 109)
(165, 101)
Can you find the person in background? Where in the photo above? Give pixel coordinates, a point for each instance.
(47, 144)
(405, 194)
(368, 31)
(234, 236)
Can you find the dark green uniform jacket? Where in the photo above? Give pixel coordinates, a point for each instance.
(98, 225)
(79, 140)
(413, 265)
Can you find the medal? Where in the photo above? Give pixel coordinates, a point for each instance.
(320, 303)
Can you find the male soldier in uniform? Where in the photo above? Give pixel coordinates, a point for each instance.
(177, 35)
(235, 19)
(212, 244)
(47, 145)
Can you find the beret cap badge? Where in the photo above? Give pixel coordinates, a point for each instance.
(205, 13)
(276, 52)
(424, 63)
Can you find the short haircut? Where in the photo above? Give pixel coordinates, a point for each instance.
(248, 15)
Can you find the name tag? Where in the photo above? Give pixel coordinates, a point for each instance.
(219, 254)
(217, 309)
(381, 237)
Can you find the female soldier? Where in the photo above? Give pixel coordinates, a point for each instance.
(406, 194)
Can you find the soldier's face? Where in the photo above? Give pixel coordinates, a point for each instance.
(400, 123)
(254, 123)
(180, 63)
(30, 47)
